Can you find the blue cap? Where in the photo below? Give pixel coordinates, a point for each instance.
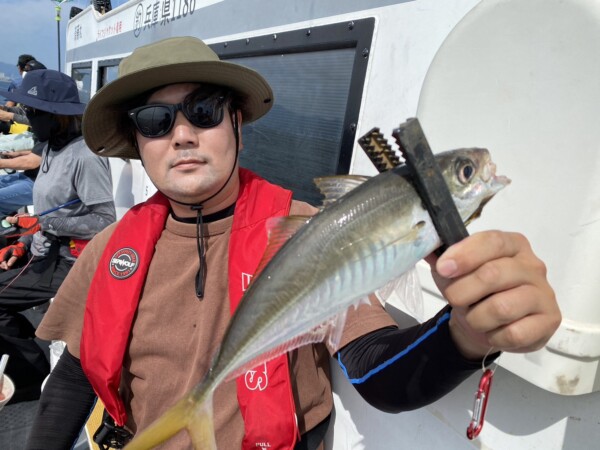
(48, 90)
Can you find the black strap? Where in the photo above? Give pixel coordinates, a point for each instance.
(109, 435)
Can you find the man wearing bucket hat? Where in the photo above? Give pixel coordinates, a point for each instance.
(145, 307)
(72, 196)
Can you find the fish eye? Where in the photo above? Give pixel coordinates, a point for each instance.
(466, 171)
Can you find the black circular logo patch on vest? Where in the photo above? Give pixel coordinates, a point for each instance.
(123, 263)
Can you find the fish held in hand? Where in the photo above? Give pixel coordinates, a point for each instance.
(371, 231)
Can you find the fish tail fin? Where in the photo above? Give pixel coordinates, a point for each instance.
(201, 428)
(161, 429)
(187, 413)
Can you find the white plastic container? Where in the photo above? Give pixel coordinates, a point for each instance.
(8, 390)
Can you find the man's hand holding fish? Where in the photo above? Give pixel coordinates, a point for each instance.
(499, 292)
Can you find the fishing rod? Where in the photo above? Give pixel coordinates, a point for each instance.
(7, 229)
(5, 235)
(56, 208)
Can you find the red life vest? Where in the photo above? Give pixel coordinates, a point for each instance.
(265, 395)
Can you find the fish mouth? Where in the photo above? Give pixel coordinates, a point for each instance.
(494, 182)
(488, 175)
(498, 182)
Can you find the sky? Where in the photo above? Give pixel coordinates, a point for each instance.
(29, 26)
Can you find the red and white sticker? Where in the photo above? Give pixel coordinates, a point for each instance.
(124, 263)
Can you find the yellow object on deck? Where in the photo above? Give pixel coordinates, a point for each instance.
(18, 128)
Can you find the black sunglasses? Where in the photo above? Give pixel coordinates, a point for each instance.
(156, 120)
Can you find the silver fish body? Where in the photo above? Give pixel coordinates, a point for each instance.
(368, 237)
(363, 240)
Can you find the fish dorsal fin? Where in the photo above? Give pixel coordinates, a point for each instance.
(336, 186)
(279, 231)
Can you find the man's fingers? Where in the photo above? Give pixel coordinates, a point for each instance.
(507, 264)
(492, 277)
(475, 250)
(500, 293)
(526, 335)
(499, 310)
(509, 323)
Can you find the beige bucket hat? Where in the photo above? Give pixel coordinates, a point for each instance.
(174, 60)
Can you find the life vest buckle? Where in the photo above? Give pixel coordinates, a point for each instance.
(110, 435)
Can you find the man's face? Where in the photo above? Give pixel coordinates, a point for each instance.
(189, 164)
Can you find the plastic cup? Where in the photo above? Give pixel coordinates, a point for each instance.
(8, 390)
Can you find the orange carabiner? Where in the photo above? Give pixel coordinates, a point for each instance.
(480, 405)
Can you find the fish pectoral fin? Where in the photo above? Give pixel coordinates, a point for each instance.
(406, 284)
(337, 186)
(408, 294)
(336, 327)
(281, 229)
(384, 292)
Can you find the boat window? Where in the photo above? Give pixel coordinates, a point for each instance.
(107, 71)
(82, 74)
(317, 76)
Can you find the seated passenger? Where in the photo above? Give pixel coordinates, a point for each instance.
(72, 197)
(11, 115)
(17, 154)
(16, 189)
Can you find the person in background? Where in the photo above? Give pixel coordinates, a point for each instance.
(12, 112)
(32, 65)
(177, 262)
(21, 63)
(72, 197)
(10, 115)
(16, 186)
(16, 189)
